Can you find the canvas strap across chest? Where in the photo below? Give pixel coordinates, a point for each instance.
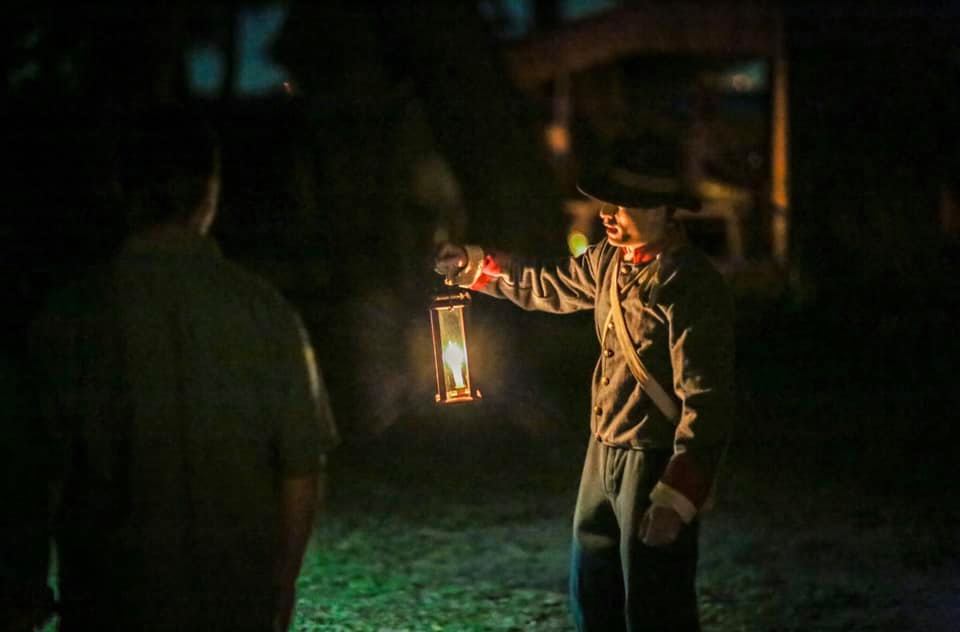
(647, 382)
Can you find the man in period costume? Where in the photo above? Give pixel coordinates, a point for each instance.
(662, 390)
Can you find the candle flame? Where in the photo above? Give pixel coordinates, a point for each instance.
(453, 357)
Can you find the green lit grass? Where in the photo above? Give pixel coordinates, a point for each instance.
(836, 509)
(404, 551)
(397, 558)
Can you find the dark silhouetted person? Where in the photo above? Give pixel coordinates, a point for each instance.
(189, 415)
(25, 598)
(661, 390)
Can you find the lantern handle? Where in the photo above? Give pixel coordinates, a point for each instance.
(450, 299)
(447, 292)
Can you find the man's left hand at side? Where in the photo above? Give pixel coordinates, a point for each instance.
(660, 526)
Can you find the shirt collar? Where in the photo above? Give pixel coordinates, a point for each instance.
(676, 237)
(642, 254)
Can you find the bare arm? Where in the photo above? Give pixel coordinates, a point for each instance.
(298, 498)
(305, 432)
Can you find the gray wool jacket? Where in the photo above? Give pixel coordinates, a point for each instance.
(679, 314)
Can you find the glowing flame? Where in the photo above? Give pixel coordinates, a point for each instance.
(453, 357)
(558, 138)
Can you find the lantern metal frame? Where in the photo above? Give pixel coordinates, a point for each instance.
(449, 310)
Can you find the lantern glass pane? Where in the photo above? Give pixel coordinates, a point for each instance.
(456, 371)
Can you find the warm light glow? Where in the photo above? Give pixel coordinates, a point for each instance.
(453, 372)
(780, 187)
(577, 242)
(558, 139)
(453, 357)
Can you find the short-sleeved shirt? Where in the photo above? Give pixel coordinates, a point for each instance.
(183, 390)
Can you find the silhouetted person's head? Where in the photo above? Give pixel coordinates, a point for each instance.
(169, 171)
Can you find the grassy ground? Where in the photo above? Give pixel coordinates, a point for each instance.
(836, 511)
(829, 519)
(475, 553)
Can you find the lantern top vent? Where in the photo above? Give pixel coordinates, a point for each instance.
(452, 299)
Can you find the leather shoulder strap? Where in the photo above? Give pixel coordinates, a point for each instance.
(647, 382)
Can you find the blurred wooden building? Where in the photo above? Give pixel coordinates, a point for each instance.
(677, 69)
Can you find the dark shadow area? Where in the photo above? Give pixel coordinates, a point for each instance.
(386, 128)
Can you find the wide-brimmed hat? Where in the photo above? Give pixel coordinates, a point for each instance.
(641, 173)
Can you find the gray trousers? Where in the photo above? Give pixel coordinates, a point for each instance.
(617, 582)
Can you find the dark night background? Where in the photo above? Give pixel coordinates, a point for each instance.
(358, 134)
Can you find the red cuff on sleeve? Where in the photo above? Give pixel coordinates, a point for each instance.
(686, 476)
(490, 270)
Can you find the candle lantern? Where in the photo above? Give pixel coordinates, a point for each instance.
(452, 363)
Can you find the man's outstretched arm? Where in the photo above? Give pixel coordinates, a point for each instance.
(558, 286)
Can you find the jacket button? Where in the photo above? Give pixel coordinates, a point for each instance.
(597, 411)
(604, 380)
(608, 353)
(610, 325)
